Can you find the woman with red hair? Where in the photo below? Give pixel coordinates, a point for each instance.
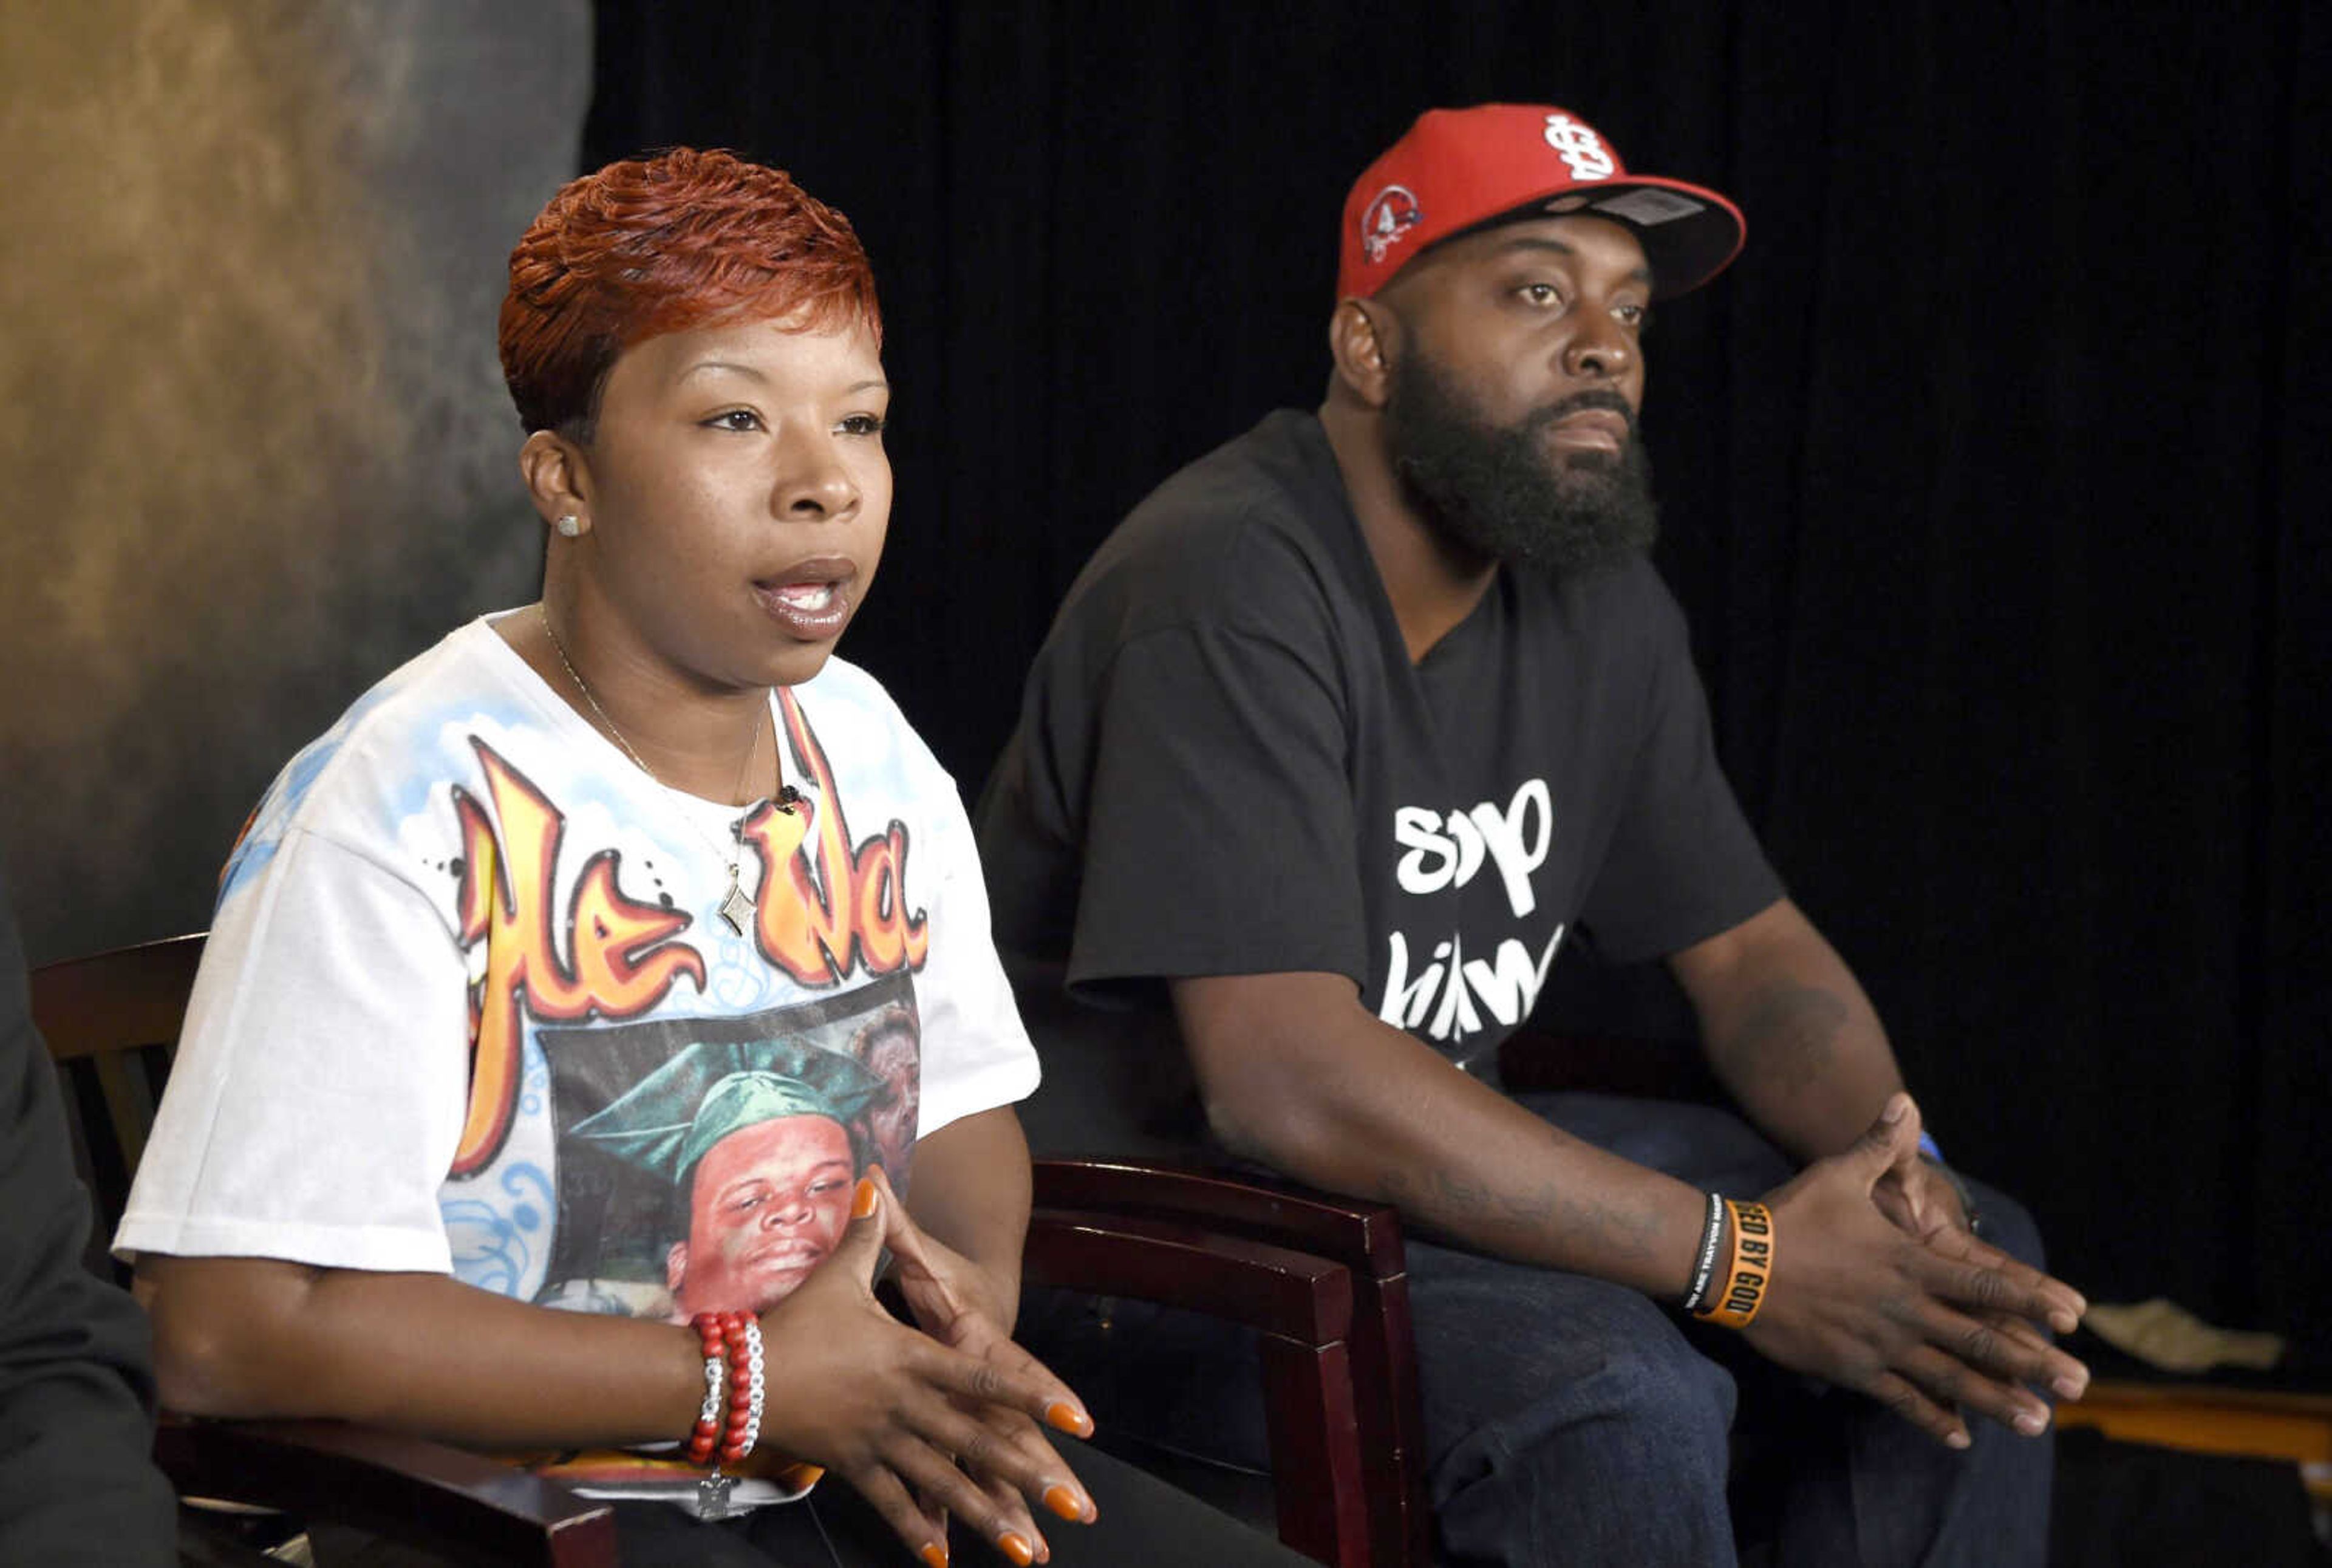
(545, 966)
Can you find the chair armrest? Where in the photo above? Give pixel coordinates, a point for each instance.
(467, 1507)
(1364, 1236)
(1272, 1289)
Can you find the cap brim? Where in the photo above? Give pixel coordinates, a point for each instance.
(1689, 233)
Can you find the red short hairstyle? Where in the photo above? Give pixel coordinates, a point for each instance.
(664, 244)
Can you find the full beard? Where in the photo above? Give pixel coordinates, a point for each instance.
(1498, 490)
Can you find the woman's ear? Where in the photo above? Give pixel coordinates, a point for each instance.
(557, 476)
(1362, 339)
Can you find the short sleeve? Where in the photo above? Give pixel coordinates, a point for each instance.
(318, 1093)
(977, 1054)
(1682, 865)
(1220, 837)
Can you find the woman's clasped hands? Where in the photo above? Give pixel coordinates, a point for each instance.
(947, 1419)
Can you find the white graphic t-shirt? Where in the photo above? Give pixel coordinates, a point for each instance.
(470, 1006)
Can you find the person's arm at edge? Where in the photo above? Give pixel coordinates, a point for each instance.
(76, 1381)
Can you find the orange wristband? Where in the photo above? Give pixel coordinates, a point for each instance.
(1749, 1270)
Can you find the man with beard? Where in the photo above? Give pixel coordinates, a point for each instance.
(1336, 739)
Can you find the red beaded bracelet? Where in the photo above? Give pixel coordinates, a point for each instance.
(728, 1423)
(712, 1334)
(733, 1432)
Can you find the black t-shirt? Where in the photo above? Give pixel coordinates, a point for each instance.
(1225, 763)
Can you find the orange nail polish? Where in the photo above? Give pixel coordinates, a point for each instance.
(1064, 1416)
(862, 1202)
(1016, 1546)
(1064, 1501)
(935, 1555)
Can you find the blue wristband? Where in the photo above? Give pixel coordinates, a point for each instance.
(1928, 1147)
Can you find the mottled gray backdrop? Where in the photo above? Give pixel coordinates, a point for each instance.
(255, 449)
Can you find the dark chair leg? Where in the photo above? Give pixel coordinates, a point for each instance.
(1384, 1380)
(1318, 1472)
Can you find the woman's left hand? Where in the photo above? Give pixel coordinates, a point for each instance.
(957, 1303)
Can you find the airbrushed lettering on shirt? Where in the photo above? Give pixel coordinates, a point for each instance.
(1442, 849)
(822, 915)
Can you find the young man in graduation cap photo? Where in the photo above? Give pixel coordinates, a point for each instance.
(756, 1142)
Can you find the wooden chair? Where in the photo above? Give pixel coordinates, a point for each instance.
(111, 1021)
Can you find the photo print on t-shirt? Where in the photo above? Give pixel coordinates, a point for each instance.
(708, 1164)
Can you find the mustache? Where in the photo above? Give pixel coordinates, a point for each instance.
(1601, 397)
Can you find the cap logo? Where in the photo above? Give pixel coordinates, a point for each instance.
(1578, 146)
(1391, 214)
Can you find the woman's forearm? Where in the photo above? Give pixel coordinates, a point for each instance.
(417, 1353)
(970, 1193)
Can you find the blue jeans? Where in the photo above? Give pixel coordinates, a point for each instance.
(1570, 1422)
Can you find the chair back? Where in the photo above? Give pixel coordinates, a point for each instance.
(111, 1021)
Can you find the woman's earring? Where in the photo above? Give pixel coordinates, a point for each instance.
(568, 525)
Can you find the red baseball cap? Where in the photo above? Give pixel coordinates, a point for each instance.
(1464, 168)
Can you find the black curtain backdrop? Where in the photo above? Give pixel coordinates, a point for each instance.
(1994, 473)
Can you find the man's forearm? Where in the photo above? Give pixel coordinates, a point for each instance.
(1298, 1073)
(1788, 1031)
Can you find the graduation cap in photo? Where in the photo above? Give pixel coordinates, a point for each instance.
(668, 1119)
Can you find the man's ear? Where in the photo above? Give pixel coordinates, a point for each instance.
(675, 1267)
(558, 478)
(1363, 338)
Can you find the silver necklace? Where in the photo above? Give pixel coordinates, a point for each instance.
(736, 907)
